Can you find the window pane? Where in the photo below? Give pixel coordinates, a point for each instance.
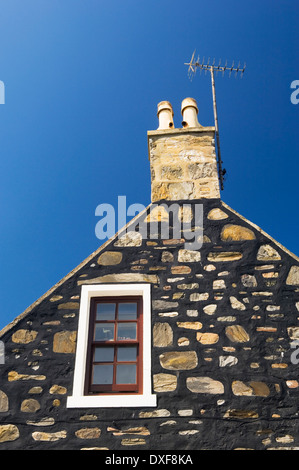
(103, 355)
(127, 311)
(126, 374)
(126, 353)
(104, 332)
(126, 331)
(105, 311)
(102, 375)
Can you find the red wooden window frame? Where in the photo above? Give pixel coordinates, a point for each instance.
(114, 388)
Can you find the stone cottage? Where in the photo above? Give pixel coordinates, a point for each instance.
(178, 333)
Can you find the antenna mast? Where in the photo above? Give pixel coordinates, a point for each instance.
(193, 66)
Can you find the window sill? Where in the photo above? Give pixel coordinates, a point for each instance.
(106, 401)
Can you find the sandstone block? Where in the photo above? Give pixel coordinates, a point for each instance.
(205, 385)
(185, 214)
(236, 334)
(179, 360)
(9, 432)
(129, 239)
(241, 414)
(55, 298)
(158, 213)
(68, 306)
(183, 341)
(110, 258)
(267, 253)
(133, 442)
(193, 285)
(293, 332)
(292, 383)
(162, 413)
(65, 342)
(164, 382)
(57, 389)
(219, 284)
(293, 276)
(162, 335)
(173, 241)
(227, 361)
(203, 170)
(179, 191)
(258, 389)
(192, 313)
(4, 405)
(210, 309)
(236, 233)
(190, 325)
(236, 304)
(217, 214)
(248, 280)
(13, 376)
(188, 432)
(139, 431)
(207, 338)
(42, 422)
(164, 304)
(224, 256)
(30, 405)
(88, 433)
(180, 270)
(121, 277)
(199, 297)
(171, 173)
(167, 257)
(188, 256)
(49, 436)
(24, 336)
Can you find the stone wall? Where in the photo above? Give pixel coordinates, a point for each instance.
(183, 164)
(223, 321)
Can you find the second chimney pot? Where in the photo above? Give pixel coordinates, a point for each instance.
(189, 111)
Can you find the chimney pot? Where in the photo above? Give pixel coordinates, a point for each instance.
(165, 115)
(189, 111)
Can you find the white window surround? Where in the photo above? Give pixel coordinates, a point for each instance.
(78, 399)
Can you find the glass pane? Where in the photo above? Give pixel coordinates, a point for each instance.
(127, 311)
(126, 374)
(126, 331)
(102, 375)
(104, 332)
(103, 355)
(126, 353)
(105, 311)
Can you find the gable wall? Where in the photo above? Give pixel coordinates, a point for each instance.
(222, 324)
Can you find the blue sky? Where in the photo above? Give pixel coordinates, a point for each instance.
(82, 83)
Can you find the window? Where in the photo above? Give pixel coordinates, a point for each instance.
(113, 354)
(114, 358)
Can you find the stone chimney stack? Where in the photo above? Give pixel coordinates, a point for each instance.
(182, 161)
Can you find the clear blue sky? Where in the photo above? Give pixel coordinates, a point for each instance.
(82, 83)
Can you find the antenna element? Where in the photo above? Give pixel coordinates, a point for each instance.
(193, 66)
